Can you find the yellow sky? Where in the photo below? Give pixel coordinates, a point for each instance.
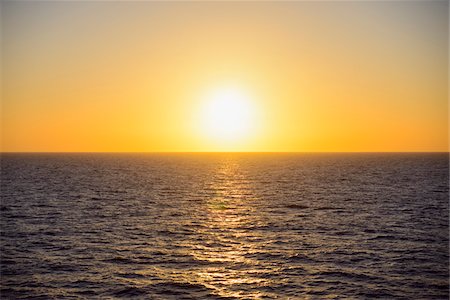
(132, 76)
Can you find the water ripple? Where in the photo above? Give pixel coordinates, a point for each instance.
(224, 226)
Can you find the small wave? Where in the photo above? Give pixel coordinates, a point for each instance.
(59, 267)
(327, 208)
(81, 284)
(117, 192)
(4, 208)
(87, 293)
(300, 257)
(120, 260)
(181, 288)
(377, 294)
(343, 274)
(131, 291)
(387, 237)
(152, 254)
(297, 206)
(130, 275)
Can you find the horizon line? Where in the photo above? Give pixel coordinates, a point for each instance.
(214, 152)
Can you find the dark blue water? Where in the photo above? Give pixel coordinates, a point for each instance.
(224, 226)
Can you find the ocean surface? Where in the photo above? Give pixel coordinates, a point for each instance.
(224, 226)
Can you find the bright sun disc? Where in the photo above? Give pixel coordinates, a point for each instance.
(228, 115)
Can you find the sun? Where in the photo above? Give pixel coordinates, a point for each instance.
(228, 115)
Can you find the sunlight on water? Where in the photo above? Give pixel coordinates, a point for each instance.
(225, 226)
(229, 212)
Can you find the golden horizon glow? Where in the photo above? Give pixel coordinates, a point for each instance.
(266, 76)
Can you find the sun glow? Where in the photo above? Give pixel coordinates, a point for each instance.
(228, 116)
(179, 76)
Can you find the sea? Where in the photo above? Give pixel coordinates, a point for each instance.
(224, 226)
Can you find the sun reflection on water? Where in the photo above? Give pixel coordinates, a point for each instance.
(228, 241)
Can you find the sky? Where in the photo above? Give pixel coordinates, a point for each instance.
(141, 76)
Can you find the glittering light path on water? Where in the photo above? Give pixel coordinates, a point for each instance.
(231, 226)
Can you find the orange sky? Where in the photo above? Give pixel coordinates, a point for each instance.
(132, 76)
